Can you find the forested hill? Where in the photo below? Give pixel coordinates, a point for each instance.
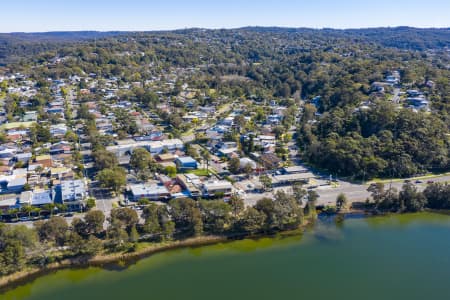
(20, 45)
(408, 38)
(16, 46)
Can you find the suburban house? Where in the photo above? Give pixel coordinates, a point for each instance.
(58, 130)
(23, 157)
(30, 116)
(6, 152)
(418, 102)
(59, 148)
(270, 161)
(44, 160)
(243, 162)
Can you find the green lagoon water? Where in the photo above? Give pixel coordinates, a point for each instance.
(397, 257)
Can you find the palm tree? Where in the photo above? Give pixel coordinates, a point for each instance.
(13, 211)
(206, 156)
(37, 210)
(61, 207)
(49, 207)
(28, 209)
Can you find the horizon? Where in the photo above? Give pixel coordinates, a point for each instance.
(139, 15)
(231, 28)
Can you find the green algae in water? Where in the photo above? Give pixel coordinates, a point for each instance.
(393, 257)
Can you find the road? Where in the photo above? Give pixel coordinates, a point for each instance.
(327, 195)
(354, 192)
(396, 97)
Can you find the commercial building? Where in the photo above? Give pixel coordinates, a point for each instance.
(292, 178)
(71, 193)
(188, 185)
(149, 191)
(216, 188)
(186, 163)
(154, 147)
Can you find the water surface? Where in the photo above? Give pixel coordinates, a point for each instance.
(397, 257)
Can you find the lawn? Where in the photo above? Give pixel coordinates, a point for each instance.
(200, 172)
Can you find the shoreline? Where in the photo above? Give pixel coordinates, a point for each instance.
(123, 260)
(104, 260)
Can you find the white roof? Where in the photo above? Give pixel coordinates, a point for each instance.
(154, 189)
(223, 184)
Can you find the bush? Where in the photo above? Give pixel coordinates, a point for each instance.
(90, 203)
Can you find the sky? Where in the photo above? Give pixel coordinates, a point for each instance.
(143, 15)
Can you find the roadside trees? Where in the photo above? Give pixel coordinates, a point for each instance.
(104, 159)
(299, 193)
(311, 197)
(248, 169)
(150, 215)
(142, 162)
(377, 191)
(252, 220)
(54, 230)
(410, 199)
(125, 218)
(122, 229)
(187, 216)
(15, 243)
(113, 179)
(90, 203)
(267, 207)
(234, 165)
(288, 213)
(438, 196)
(206, 157)
(215, 215)
(266, 181)
(94, 221)
(80, 246)
(341, 201)
(237, 205)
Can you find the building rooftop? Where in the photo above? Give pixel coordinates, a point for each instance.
(295, 169)
(41, 198)
(142, 189)
(186, 160)
(73, 190)
(215, 185)
(292, 177)
(26, 197)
